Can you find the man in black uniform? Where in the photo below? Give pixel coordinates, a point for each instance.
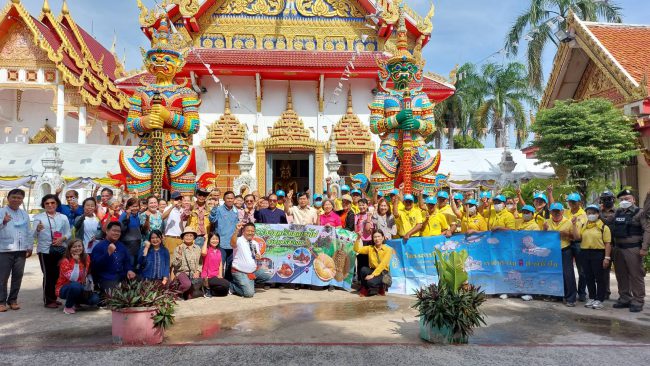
(629, 251)
(607, 214)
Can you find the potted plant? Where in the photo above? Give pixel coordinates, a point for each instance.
(449, 310)
(141, 311)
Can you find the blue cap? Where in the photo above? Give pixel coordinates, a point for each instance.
(472, 202)
(557, 206)
(575, 197)
(443, 194)
(345, 187)
(485, 194)
(280, 193)
(541, 196)
(409, 197)
(394, 192)
(458, 196)
(501, 198)
(425, 194)
(356, 191)
(528, 208)
(594, 207)
(380, 194)
(317, 197)
(430, 201)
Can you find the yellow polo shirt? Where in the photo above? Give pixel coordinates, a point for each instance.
(539, 219)
(595, 235)
(563, 226)
(529, 226)
(581, 216)
(503, 219)
(378, 259)
(435, 224)
(476, 223)
(406, 220)
(449, 214)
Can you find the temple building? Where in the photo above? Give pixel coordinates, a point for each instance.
(604, 60)
(57, 83)
(287, 83)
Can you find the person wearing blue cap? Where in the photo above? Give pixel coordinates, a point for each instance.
(500, 218)
(409, 219)
(281, 198)
(595, 254)
(575, 210)
(356, 196)
(540, 202)
(561, 224)
(435, 223)
(470, 220)
(445, 209)
(528, 215)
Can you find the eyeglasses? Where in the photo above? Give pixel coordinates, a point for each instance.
(71, 198)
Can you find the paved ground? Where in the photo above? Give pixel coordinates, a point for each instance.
(284, 326)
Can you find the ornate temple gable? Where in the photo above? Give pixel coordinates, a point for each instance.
(289, 132)
(594, 84)
(226, 134)
(293, 8)
(46, 135)
(18, 49)
(350, 134)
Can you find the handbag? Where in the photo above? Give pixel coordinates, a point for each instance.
(386, 278)
(59, 250)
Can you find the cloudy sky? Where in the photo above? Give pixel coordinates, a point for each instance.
(464, 30)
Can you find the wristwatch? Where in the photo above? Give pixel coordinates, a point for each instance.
(608, 258)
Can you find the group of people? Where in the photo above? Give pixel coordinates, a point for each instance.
(205, 243)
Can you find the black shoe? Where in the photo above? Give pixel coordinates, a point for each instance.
(330, 288)
(582, 298)
(266, 287)
(620, 305)
(636, 308)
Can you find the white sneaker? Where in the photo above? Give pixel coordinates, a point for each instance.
(597, 305)
(590, 303)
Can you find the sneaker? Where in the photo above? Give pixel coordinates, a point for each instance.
(590, 303)
(620, 305)
(571, 304)
(597, 305)
(69, 311)
(207, 293)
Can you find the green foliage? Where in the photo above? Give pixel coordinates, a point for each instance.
(584, 140)
(452, 303)
(136, 293)
(467, 142)
(529, 188)
(646, 263)
(539, 21)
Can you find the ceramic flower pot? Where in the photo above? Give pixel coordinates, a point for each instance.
(439, 335)
(134, 326)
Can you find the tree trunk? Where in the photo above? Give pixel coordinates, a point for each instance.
(451, 137)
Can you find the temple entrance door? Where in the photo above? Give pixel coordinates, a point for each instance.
(289, 172)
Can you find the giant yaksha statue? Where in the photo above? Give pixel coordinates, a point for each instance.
(403, 117)
(164, 115)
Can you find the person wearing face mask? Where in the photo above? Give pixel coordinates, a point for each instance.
(500, 218)
(471, 221)
(318, 204)
(595, 253)
(409, 220)
(607, 216)
(629, 250)
(575, 210)
(435, 222)
(561, 224)
(527, 214)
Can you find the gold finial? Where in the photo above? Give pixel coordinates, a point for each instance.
(226, 108)
(64, 8)
(46, 7)
(289, 99)
(350, 110)
(15, 1)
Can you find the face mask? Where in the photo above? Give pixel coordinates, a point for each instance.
(510, 207)
(527, 217)
(318, 204)
(625, 204)
(499, 207)
(472, 210)
(592, 218)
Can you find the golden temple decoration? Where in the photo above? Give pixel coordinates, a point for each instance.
(187, 8)
(226, 134)
(425, 25)
(46, 135)
(390, 10)
(350, 134)
(253, 7)
(328, 8)
(289, 131)
(147, 17)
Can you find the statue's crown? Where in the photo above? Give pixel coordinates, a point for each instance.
(165, 40)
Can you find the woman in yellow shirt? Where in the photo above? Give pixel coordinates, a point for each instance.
(559, 223)
(528, 216)
(435, 222)
(471, 221)
(595, 251)
(379, 255)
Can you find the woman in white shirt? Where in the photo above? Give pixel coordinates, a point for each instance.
(87, 225)
(52, 232)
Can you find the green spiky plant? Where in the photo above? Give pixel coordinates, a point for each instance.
(146, 294)
(453, 303)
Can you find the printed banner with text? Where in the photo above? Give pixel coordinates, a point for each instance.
(506, 262)
(305, 254)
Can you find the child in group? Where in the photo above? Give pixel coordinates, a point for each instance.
(214, 265)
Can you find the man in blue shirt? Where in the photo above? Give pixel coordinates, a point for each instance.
(110, 259)
(272, 215)
(73, 209)
(224, 219)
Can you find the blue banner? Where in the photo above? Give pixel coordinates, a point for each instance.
(505, 262)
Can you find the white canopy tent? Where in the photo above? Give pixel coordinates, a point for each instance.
(471, 165)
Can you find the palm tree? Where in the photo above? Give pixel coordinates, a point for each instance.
(507, 92)
(538, 22)
(458, 110)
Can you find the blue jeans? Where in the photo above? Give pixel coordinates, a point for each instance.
(73, 295)
(243, 286)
